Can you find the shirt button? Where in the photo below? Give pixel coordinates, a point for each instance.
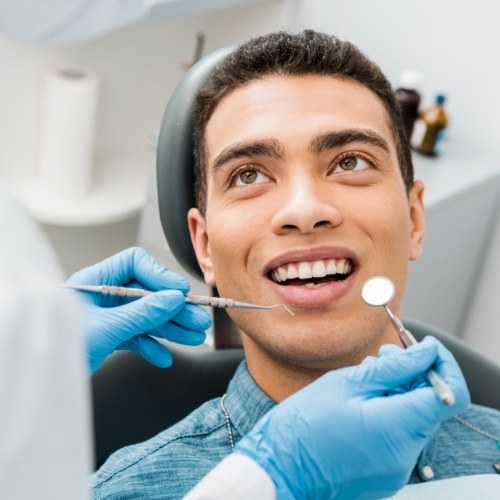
(427, 472)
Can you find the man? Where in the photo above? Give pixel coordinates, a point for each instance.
(304, 191)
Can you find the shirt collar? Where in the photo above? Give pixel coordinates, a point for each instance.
(245, 402)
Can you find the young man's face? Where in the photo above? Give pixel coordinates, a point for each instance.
(305, 202)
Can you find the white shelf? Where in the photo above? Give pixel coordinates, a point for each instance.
(460, 169)
(119, 192)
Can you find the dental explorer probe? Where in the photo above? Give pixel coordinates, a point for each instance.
(379, 291)
(200, 300)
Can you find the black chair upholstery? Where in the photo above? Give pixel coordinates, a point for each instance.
(175, 162)
(134, 400)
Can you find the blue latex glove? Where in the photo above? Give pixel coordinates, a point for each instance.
(114, 323)
(356, 432)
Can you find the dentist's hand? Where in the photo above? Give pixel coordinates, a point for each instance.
(114, 323)
(356, 432)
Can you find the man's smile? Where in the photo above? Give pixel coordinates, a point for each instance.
(314, 277)
(312, 273)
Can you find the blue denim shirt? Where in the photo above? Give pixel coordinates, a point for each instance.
(168, 465)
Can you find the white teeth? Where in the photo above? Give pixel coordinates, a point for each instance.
(305, 271)
(291, 272)
(283, 275)
(316, 269)
(340, 267)
(331, 268)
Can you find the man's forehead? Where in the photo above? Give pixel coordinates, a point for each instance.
(346, 103)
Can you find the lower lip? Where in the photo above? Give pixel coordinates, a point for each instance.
(314, 297)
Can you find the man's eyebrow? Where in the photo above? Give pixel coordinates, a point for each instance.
(336, 139)
(269, 148)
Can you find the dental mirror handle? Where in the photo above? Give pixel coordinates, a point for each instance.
(440, 386)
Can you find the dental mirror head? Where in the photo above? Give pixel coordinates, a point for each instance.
(378, 291)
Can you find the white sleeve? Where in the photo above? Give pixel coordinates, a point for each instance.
(45, 431)
(237, 477)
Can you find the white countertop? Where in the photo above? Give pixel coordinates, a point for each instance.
(459, 169)
(119, 192)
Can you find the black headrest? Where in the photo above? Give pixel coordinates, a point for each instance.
(175, 161)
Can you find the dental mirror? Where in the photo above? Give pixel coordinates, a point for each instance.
(378, 291)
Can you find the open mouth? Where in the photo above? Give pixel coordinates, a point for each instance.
(312, 274)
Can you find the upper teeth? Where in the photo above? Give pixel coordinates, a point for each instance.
(315, 269)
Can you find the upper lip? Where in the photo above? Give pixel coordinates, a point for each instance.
(310, 255)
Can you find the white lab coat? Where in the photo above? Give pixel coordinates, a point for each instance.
(237, 477)
(45, 444)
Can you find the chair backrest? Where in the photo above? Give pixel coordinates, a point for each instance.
(175, 161)
(175, 181)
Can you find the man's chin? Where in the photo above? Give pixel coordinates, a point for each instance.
(307, 352)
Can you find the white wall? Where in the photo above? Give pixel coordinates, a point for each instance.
(140, 67)
(481, 329)
(455, 44)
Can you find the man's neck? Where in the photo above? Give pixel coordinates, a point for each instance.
(276, 377)
(280, 376)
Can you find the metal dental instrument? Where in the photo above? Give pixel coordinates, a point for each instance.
(379, 291)
(200, 300)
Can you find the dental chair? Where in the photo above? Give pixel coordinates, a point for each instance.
(133, 400)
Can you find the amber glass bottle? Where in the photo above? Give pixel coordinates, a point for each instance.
(408, 98)
(428, 131)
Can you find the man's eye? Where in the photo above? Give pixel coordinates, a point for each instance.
(249, 176)
(352, 163)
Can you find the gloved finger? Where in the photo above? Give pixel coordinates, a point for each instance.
(422, 408)
(132, 264)
(154, 276)
(388, 349)
(144, 314)
(447, 367)
(179, 335)
(150, 349)
(193, 317)
(389, 372)
(422, 399)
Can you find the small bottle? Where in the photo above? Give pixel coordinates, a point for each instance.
(428, 132)
(408, 98)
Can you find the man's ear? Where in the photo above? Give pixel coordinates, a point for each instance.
(417, 216)
(201, 245)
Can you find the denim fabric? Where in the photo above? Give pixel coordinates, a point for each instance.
(171, 463)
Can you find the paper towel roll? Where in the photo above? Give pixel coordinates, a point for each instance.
(67, 131)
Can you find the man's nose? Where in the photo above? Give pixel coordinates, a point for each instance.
(305, 206)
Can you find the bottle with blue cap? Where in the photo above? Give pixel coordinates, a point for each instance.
(429, 129)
